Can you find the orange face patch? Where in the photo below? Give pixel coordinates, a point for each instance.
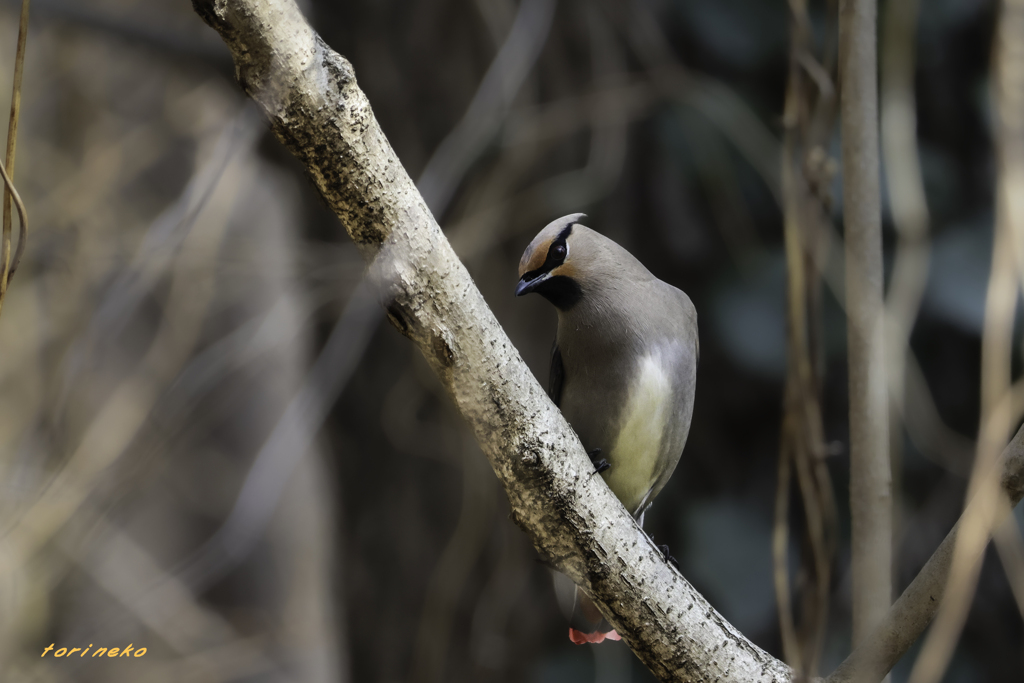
(534, 257)
(565, 270)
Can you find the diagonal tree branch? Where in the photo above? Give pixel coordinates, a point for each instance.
(315, 108)
(310, 96)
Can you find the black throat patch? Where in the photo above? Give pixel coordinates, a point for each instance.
(562, 291)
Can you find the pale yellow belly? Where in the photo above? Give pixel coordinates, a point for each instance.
(636, 457)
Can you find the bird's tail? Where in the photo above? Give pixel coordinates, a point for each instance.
(588, 625)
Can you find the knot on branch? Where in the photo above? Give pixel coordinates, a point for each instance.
(442, 347)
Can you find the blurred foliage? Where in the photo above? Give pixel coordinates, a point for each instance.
(182, 276)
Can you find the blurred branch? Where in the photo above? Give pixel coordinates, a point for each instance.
(906, 193)
(1011, 551)
(934, 438)
(118, 420)
(909, 209)
(563, 117)
(737, 123)
(945, 446)
(581, 187)
(937, 441)
(911, 614)
(808, 119)
(870, 474)
(723, 108)
(12, 192)
(490, 104)
(166, 606)
(315, 107)
(607, 110)
(453, 567)
(616, 100)
(169, 230)
(287, 444)
(998, 412)
(150, 35)
(488, 117)
(160, 245)
(7, 268)
(498, 15)
(610, 106)
(717, 171)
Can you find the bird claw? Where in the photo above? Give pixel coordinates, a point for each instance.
(599, 465)
(668, 556)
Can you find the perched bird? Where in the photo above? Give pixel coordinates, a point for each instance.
(623, 367)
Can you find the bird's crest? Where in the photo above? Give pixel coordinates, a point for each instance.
(537, 252)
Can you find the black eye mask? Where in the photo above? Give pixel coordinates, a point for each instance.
(562, 291)
(556, 255)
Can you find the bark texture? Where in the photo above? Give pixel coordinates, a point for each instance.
(316, 109)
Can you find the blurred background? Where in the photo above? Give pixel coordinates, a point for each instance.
(211, 445)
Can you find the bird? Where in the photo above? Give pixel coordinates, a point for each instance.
(623, 368)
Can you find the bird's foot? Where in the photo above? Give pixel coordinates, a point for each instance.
(668, 556)
(581, 638)
(600, 464)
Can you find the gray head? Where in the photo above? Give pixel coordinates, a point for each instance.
(566, 261)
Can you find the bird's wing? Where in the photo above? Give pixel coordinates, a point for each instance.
(556, 375)
(671, 458)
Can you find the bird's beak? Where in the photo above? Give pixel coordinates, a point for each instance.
(526, 286)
